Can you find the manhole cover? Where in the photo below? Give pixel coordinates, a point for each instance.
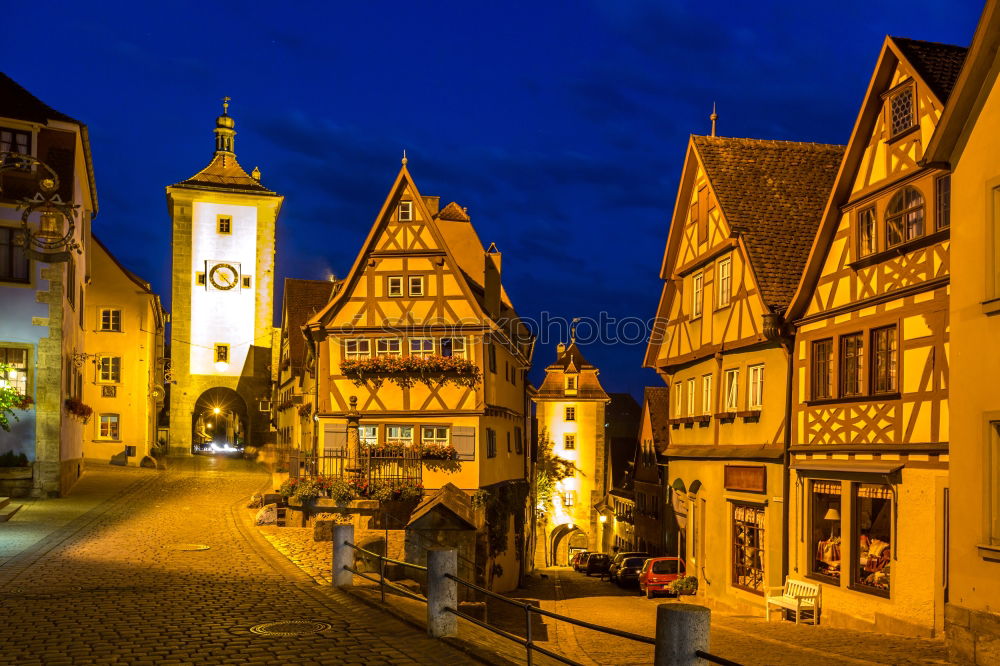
(190, 546)
(290, 628)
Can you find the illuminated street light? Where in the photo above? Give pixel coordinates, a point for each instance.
(603, 518)
(216, 410)
(221, 366)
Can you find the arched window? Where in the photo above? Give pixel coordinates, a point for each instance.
(904, 218)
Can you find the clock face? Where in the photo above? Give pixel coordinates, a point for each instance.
(224, 276)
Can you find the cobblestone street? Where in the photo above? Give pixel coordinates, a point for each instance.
(744, 639)
(119, 584)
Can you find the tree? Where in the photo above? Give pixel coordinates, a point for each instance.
(550, 469)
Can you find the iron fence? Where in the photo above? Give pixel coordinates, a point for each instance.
(396, 470)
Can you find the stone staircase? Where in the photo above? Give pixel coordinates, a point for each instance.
(7, 510)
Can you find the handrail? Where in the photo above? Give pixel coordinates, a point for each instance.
(708, 656)
(399, 588)
(384, 558)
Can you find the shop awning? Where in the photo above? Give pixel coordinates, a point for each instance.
(849, 470)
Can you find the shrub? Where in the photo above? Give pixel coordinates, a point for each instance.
(11, 459)
(342, 491)
(685, 585)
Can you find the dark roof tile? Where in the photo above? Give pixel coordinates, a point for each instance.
(16, 102)
(302, 299)
(937, 64)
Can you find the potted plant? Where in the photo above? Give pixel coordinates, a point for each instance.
(78, 409)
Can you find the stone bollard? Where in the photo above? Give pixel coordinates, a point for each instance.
(343, 556)
(442, 592)
(681, 629)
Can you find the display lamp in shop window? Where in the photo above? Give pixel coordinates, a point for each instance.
(832, 514)
(52, 238)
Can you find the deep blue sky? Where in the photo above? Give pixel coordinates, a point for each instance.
(560, 125)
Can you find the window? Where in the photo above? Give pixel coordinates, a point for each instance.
(368, 434)
(851, 349)
(15, 141)
(13, 262)
(493, 357)
(942, 187)
(755, 395)
(109, 369)
(866, 232)
(434, 435)
(518, 441)
(491, 443)
(570, 414)
(453, 347)
(678, 392)
(690, 395)
(992, 493)
(570, 384)
(199, 278)
(416, 285)
(873, 534)
(405, 211)
(904, 217)
(883, 366)
(568, 498)
(725, 280)
(356, 349)
(111, 319)
(399, 434)
(706, 394)
(822, 351)
(71, 282)
(748, 547)
(17, 376)
(569, 441)
(825, 529)
(394, 285)
(246, 281)
(509, 449)
(224, 224)
(388, 347)
(732, 388)
(222, 353)
(421, 346)
(696, 295)
(901, 116)
(108, 427)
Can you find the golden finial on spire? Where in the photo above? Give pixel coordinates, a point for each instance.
(713, 118)
(225, 105)
(404, 157)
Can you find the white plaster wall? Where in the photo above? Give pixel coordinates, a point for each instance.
(222, 316)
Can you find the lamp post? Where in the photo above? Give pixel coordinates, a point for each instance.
(52, 240)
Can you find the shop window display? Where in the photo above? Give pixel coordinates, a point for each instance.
(873, 534)
(825, 527)
(748, 547)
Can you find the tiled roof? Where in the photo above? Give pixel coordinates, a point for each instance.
(454, 213)
(772, 193)
(937, 64)
(224, 173)
(302, 299)
(18, 103)
(657, 400)
(571, 356)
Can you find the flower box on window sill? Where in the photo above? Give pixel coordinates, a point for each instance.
(409, 370)
(78, 409)
(702, 418)
(725, 416)
(749, 414)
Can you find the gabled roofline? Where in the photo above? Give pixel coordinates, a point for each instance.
(966, 97)
(871, 105)
(161, 313)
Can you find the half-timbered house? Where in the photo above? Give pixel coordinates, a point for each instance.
(870, 438)
(422, 349)
(746, 213)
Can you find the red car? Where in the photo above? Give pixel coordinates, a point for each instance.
(575, 560)
(658, 573)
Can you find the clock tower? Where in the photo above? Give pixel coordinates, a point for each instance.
(223, 295)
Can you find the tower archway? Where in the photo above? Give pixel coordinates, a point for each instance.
(219, 422)
(564, 541)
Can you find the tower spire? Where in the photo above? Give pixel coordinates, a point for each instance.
(713, 118)
(225, 134)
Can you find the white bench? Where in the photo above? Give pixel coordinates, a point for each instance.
(796, 595)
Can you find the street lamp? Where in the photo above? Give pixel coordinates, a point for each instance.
(53, 240)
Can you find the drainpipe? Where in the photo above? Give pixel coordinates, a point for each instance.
(774, 329)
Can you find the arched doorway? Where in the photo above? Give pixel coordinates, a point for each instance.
(564, 541)
(219, 422)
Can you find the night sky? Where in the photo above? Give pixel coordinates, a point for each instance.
(560, 125)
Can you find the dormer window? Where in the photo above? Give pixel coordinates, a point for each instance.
(570, 383)
(901, 116)
(405, 213)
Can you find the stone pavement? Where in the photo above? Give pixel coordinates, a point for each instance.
(119, 584)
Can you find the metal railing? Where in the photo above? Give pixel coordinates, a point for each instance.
(373, 466)
(681, 629)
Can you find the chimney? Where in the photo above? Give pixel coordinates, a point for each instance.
(433, 204)
(492, 281)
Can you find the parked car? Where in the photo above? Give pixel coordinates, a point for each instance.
(628, 570)
(579, 560)
(597, 563)
(616, 563)
(658, 573)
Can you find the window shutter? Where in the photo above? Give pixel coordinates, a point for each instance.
(335, 439)
(463, 438)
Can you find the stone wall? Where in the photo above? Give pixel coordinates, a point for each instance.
(973, 636)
